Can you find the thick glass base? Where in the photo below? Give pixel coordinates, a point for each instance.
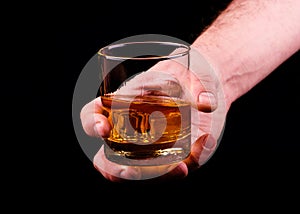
(148, 155)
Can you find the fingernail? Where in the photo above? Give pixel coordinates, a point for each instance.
(209, 143)
(207, 101)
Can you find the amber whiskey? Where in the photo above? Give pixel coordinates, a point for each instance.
(145, 128)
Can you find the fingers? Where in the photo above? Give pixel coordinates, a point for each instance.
(176, 171)
(201, 151)
(94, 123)
(121, 173)
(112, 171)
(208, 147)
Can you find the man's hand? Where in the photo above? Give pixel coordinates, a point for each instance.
(199, 86)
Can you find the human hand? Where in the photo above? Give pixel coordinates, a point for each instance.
(200, 87)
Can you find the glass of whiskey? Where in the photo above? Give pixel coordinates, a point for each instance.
(149, 116)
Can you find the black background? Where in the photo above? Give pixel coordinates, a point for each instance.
(257, 162)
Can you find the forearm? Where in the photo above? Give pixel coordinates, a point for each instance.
(249, 40)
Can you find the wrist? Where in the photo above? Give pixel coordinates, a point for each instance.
(243, 47)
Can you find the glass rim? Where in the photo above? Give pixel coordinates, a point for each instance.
(171, 56)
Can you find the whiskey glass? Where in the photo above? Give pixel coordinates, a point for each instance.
(146, 107)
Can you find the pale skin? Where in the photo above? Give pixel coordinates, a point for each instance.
(246, 42)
